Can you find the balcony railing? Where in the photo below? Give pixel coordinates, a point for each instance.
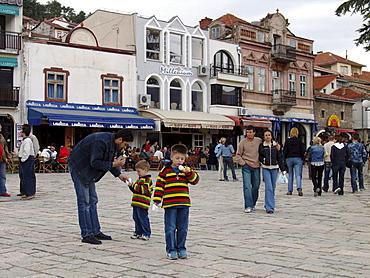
(9, 97)
(284, 97)
(18, 3)
(230, 70)
(283, 53)
(10, 40)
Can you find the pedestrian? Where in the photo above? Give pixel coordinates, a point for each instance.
(88, 162)
(294, 151)
(26, 155)
(358, 159)
(316, 157)
(247, 155)
(339, 155)
(212, 161)
(172, 190)
(4, 157)
(220, 161)
(142, 192)
(271, 160)
(328, 166)
(226, 151)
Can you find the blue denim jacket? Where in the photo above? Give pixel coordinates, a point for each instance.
(93, 157)
(316, 153)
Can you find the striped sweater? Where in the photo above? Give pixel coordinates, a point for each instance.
(172, 189)
(142, 192)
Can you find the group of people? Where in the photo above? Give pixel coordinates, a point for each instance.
(94, 155)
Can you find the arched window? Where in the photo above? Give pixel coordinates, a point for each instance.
(222, 62)
(175, 95)
(153, 89)
(196, 97)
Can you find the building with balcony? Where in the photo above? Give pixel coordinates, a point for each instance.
(10, 66)
(278, 68)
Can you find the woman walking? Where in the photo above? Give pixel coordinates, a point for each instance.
(316, 157)
(271, 160)
(294, 151)
(339, 155)
(226, 152)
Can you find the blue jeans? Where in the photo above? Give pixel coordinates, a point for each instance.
(27, 176)
(228, 161)
(269, 177)
(339, 168)
(87, 200)
(142, 224)
(2, 177)
(357, 171)
(176, 222)
(251, 185)
(327, 168)
(295, 166)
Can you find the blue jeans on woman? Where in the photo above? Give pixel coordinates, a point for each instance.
(176, 222)
(339, 168)
(251, 185)
(295, 165)
(269, 177)
(142, 224)
(87, 200)
(2, 177)
(228, 161)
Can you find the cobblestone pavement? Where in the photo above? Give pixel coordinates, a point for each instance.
(307, 236)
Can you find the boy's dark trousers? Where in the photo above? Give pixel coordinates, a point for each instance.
(142, 224)
(176, 229)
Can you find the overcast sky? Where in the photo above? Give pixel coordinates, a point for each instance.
(311, 19)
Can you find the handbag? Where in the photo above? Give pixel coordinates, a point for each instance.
(283, 179)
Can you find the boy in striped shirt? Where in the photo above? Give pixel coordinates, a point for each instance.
(173, 191)
(142, 192)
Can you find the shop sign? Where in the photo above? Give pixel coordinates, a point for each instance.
(334, 121)
(175, 71)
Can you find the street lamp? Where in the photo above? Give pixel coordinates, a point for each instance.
(366, 105)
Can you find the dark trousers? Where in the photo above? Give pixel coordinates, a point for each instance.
(27, 176)
(316, 174)
(142, 224)
(339, 168)
(327, 168)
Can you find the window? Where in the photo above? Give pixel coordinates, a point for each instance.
(152, 44)
(262, 79)
(198, 140)
(332, 85)
(59, 34)
(249, 70)
(197, 50)
(260, 37)
(176, 48)
(293, 43)
(175, 95)
(225, 95)
(344, 69)
(323, 114)
(216, 33)
(196, 97)
(342, 116)
(292, 82)
(112, 89)
(153, 89)
(222, 62)
(302, 85)
(276, 80)
(56, 81)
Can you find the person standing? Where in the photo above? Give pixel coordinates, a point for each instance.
(339, 155)
(358, 159)
(88, 162)
(247, 155)
(26, 155)
(226, 151)
(4, 156)
(219, 158)
(271, 160)
(316, 156)
(327, 163)
(294, 151)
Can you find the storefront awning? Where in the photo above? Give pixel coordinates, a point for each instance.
(181, 119)
(80, 115)
(346, 130)
(256, 122)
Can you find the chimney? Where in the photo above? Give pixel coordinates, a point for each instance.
(204, 23)
(320, 52)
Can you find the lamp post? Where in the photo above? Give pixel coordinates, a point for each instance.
(366, 105)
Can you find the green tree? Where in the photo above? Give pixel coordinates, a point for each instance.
(362, 7)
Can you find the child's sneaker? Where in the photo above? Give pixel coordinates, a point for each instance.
(135, 236)
(145, 238)
(172, 256)
(182, 255)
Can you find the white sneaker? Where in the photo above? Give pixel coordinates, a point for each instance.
(336, 191)
(248, 210)
(145, 238)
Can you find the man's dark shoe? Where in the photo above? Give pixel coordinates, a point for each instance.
(102, 236)
(91, 239)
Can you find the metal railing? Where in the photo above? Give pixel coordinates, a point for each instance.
(215, 69)
(287, 97)
(9, 96)
(10, 40)
(283, 52)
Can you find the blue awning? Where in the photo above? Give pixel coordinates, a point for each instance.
(75, 115)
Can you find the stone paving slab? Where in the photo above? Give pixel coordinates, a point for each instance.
(307, 236)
